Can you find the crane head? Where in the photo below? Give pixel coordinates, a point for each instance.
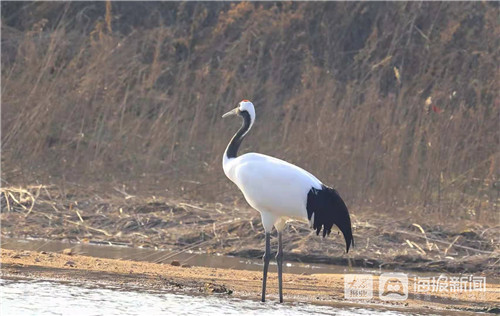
(243, 106)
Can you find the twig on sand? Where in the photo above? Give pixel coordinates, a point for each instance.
(127, 196)
(446, 242)
(7, 200)
(429, 245)
(451, 245)
(413, 244)
(193, 206)
(8, 192)
(102, 231)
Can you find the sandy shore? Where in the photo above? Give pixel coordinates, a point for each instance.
(316, 288)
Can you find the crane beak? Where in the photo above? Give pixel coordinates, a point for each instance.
(232, 112)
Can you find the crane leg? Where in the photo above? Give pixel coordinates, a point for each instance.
(267, 256)
(279, 261)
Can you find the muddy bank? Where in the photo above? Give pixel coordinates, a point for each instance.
(315, 288)
(382, 241)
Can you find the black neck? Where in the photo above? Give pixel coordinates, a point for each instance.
(234, 144)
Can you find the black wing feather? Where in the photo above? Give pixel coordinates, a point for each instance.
(329, 209)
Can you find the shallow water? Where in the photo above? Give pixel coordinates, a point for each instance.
(24, 297)
(189, 257)
(165, 256)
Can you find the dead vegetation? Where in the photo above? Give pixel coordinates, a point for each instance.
(42, 212)
(394, 104)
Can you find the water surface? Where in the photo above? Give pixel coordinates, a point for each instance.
(44, 298)
(188, 257)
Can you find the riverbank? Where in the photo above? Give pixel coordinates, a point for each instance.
(404, 242)
(327, 289)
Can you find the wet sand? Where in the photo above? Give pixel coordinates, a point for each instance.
(325, 289)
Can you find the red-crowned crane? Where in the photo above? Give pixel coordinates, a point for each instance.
(281, 191)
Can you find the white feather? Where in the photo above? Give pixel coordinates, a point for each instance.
(271, 185)
(278, 190)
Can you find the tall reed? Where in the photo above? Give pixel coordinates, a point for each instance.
(394, 104)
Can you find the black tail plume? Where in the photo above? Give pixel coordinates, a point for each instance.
(325, 208)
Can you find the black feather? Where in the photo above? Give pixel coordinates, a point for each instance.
(329, 209)
(234, 144)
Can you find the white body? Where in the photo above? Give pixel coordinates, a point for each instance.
(281, 191)
(276, 188)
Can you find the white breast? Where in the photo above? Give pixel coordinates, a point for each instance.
(272, 185)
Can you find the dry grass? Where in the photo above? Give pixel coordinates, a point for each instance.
(396, 105)
(151, 222)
